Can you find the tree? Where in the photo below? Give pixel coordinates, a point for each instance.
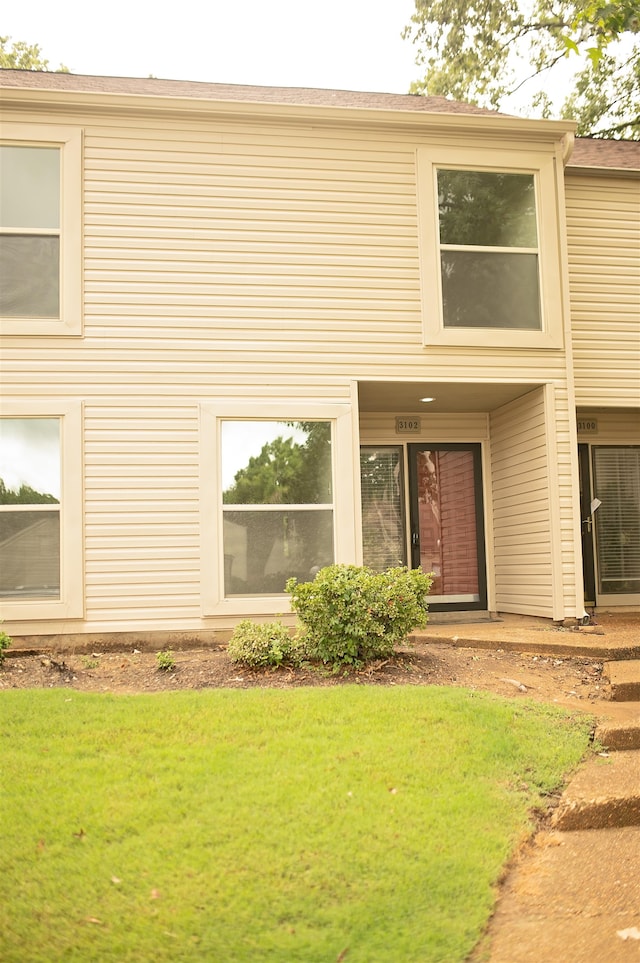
(484, 51)
(19, 55)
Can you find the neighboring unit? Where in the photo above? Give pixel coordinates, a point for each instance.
(247, 332)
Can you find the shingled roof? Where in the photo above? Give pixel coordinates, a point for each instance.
(297, 96)
(595, 153)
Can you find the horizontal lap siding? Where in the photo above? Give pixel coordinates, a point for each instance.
(603, 228)
(613, 427)
(521, 516)
(236, 262)
(257, 238)
(380, 428)
(142, 529)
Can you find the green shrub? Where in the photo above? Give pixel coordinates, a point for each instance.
(353, 615)
(5, 642)
(166, 661)
(261, 644)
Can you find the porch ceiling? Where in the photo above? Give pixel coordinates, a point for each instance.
(404, 397)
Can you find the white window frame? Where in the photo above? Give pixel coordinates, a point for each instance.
(213, 601)
(69, 140)
(70, 604)
(429, 160)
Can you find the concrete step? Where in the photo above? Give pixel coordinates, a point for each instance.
(624, 677)
(603, 794)
(574, 898)
(622, 729)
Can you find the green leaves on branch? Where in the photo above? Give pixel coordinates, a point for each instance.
(352, 615)
(485, 51)
(23, 56)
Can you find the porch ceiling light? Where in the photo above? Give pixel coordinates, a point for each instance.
(427, 400)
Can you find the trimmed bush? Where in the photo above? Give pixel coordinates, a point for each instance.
(261, 644)
(5, 642)
(353, 615)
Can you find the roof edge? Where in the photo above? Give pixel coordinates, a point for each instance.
(545, 130)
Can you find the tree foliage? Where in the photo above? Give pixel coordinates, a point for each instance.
(25, 495)
(19, 55)
(287, 472)
(483, 51)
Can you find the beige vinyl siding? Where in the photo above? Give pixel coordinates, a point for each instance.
(523, 550)
(234, 261)
(378, 428)
(613, 427)
(603, 228)
(142, 530)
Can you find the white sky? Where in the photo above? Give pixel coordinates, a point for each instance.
(342, 44)
(30, 454)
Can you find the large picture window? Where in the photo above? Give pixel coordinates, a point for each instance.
(40, 229)
(277, 503)
(489, 252)
(40, 512)
(277, 486)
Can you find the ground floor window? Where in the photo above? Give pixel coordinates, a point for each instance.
(276, 500)
(30, 508)
(277, 503)
(40, 511)
(616, 485)
(382, 492)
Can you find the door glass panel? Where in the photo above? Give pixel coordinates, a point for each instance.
(616, 482)
(381, 483)
(447, 523)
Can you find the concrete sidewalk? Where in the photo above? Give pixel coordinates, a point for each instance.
(573, 894)
(573, 897)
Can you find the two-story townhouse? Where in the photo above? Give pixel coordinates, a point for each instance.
(247, 332)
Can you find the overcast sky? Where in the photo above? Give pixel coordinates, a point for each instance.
(30, 454)
(343, 44)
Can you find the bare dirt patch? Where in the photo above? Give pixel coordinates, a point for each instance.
(543, 677)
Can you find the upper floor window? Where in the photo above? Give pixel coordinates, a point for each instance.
(490, 261)
(40, 230)
(488, 249)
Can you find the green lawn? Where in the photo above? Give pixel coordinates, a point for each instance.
(312, 825)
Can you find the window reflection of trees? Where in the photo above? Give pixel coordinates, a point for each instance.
(265, 547)
(499, 287)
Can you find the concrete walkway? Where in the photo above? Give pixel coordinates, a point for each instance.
(573, 894)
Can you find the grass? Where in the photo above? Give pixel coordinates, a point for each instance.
(266, 826)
